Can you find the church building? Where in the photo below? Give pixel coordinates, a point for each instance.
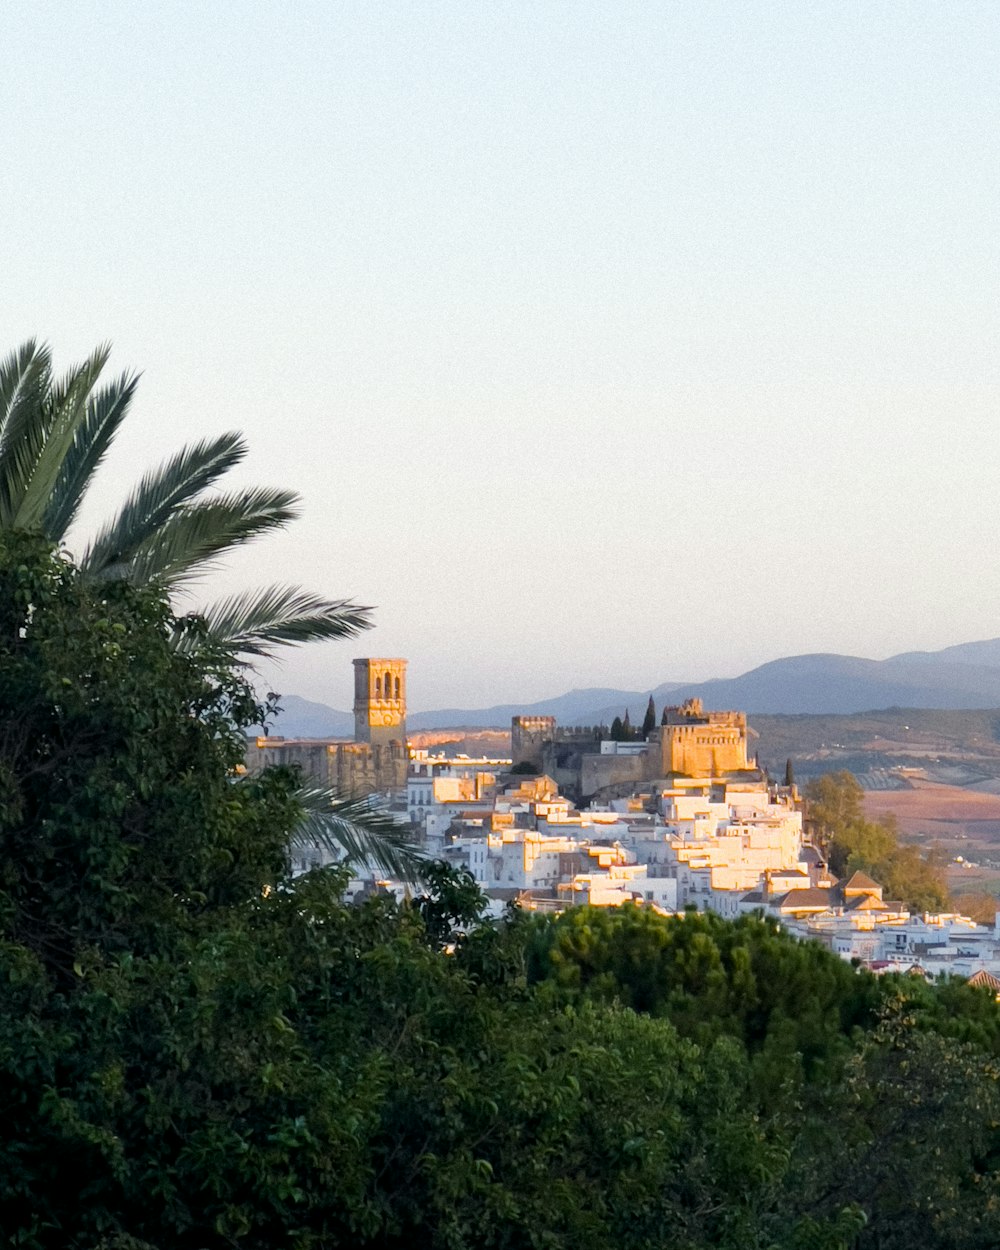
(375, 760)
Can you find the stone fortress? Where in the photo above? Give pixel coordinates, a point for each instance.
(689, 742)
(375, 759)
(584, 763)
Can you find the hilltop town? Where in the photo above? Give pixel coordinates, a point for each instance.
(676, 815)
(631, 369)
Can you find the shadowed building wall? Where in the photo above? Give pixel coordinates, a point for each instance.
(528, 736)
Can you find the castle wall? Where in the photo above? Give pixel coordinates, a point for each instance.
(703, 750)
(353, 768)
(703, 744)
(690, 742)
(599, 771)
(359, 768)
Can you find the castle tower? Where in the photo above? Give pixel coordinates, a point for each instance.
(379, 700)
(528, 736)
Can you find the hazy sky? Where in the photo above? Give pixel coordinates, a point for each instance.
(607, 343)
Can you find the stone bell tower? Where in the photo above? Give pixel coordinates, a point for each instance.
(380, 701)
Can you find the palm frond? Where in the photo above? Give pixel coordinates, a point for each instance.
(94, 435)
(27, 415)
(256, 622)
(160, 493)
(196, 534)
(15, 369)
(40, 443)
(354, 832)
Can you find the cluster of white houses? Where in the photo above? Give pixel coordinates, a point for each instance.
(728, 841)
(729, 846)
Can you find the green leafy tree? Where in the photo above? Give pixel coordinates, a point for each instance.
(906, 873)
(862, 1086)
(833, 804)
(99, 714)
(526, 768)
(617, 730)
(852, 843)
(980, 906)
(910, 1135)
(148, 1076)
(864, 844)
(791, 1004)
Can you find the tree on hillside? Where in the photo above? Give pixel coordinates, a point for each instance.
(905, 872)
(852, 843)
(833, 802)
(54, 434)
(778, 995)
(980, 906)
(911, 1136)
(649, 720)
(887, 1086)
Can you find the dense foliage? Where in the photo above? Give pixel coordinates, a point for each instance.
(880, 1096)
(791, 1007)
(198, 1053)
(119, 821)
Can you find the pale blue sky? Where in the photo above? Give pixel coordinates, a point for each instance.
(607, 343)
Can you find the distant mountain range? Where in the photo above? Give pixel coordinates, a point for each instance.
(301, 718)
(963, 676)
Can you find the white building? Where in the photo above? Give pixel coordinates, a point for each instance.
(718, 841)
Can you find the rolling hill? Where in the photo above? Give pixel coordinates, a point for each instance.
(963, 676)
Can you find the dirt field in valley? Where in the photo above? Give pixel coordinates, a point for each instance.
(958, 822)
(927, 810)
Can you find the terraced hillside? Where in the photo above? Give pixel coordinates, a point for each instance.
(955, 748)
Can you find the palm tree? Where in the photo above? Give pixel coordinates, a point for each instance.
(172, 528)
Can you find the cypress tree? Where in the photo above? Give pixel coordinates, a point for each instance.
(627, 734)
(616, 730)
(649, 721)
(789, 773)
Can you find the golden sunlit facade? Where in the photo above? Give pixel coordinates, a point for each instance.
(379, 700)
